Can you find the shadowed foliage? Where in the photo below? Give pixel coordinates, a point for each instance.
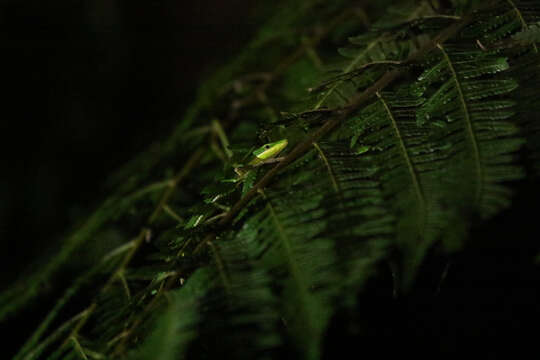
(406, 128)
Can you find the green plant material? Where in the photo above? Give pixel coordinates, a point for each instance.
(398, 143)
(175, 327)
(531, 34)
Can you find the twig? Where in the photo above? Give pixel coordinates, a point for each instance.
(190, 164)
(55, 335)
(173, 214)
(78, 348)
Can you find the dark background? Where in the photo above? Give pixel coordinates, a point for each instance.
(88, 84)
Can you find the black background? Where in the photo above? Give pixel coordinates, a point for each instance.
(88, 84)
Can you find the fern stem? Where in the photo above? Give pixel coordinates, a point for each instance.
(295, 272)
(220, 266)
(335, 183)
(189, 165)
(356, 71)
(115, 275)
(173, 214)
(119, 250)
(146, 190)
(123, 337)
(349, 68)
(286, 245)
(222, 137)
(127, 258)
(468, 125)
(37, 350)
(77, 346)
(403, 149)
(32, 342)
(124, 283)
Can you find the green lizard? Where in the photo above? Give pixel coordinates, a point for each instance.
(246, 174)
(263, 155)
(266, 154)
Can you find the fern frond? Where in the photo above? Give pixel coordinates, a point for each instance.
(386, 44)
(504, 18)
(409, 165)
(176, 327)
(243, 301)
(474, 111)
(299, 241)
